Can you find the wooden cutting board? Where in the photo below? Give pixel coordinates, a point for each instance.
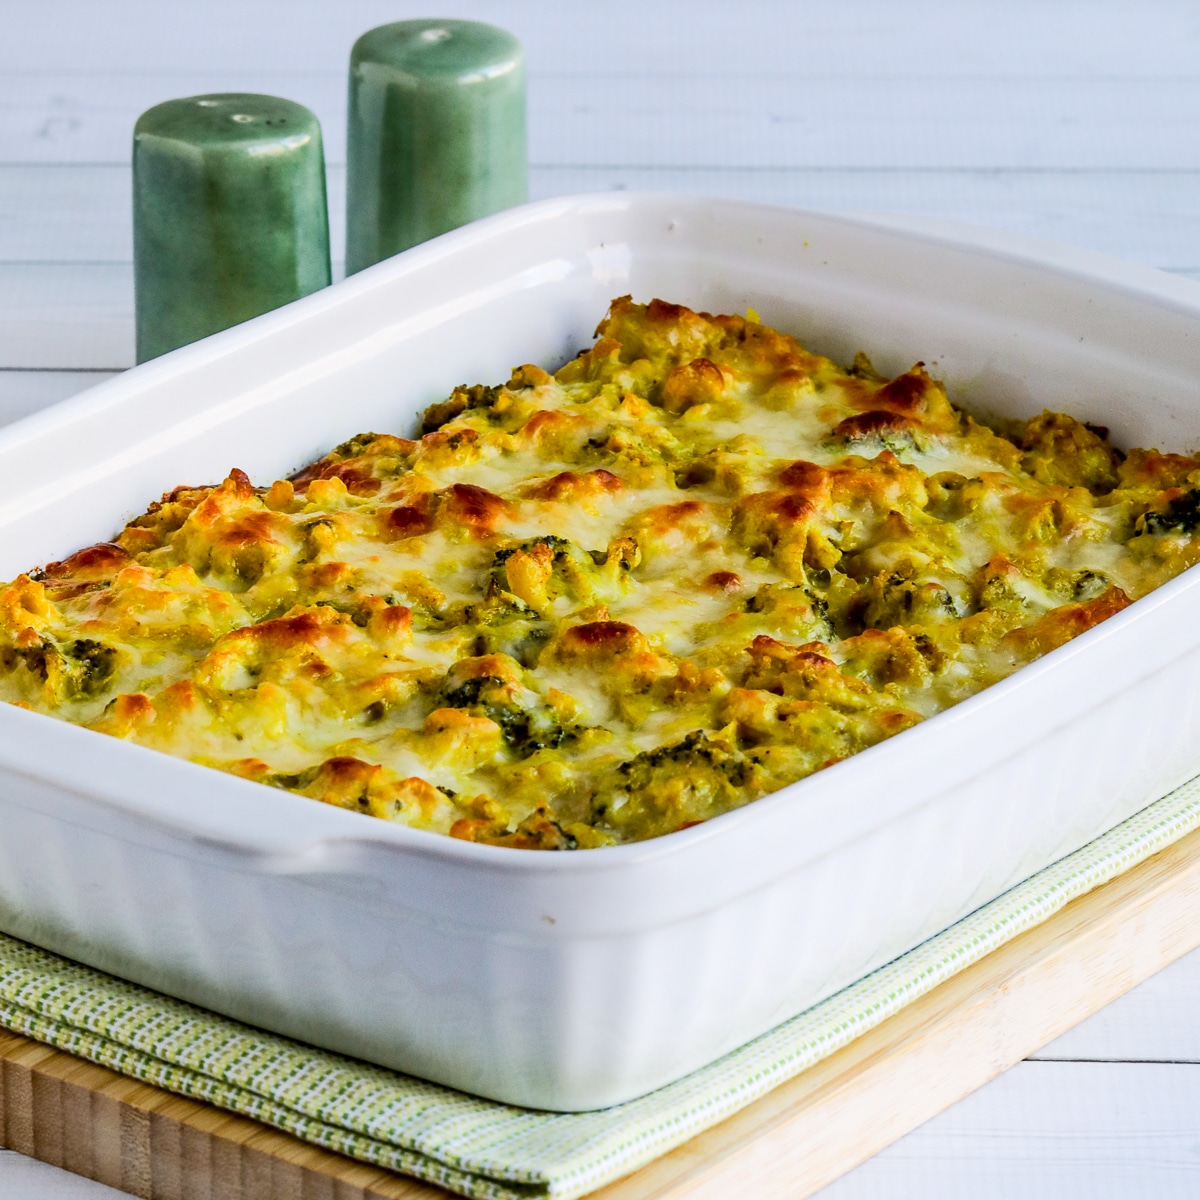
(788, 1144)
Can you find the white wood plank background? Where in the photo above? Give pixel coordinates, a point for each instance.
(1072, 120)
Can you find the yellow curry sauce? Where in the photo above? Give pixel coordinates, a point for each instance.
(695, 565)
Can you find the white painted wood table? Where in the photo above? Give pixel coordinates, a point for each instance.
(1076, 121)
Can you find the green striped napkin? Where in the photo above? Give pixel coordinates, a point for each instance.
(483, 1149)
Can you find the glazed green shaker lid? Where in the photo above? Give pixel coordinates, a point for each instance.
(467, 52)
(230, 120)
(229, 214)
(436, 134)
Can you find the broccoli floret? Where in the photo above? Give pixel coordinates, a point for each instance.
(461, 399)
(695, 748)
(525, 730)
(671, 787)
(570, 563)
(94, 663)
(1182, 513)
(78, 670)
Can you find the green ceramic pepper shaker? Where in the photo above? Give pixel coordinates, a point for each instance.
(229, 214)
(436, 133)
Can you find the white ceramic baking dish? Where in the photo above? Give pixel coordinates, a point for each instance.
(577, 980)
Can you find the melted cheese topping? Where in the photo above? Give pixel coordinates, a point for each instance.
(697, 564)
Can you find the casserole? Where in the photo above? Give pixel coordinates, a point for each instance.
(693, 566)
(581, 980)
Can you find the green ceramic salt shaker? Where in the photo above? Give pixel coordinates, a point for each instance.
(229, 214)
(436, 133)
